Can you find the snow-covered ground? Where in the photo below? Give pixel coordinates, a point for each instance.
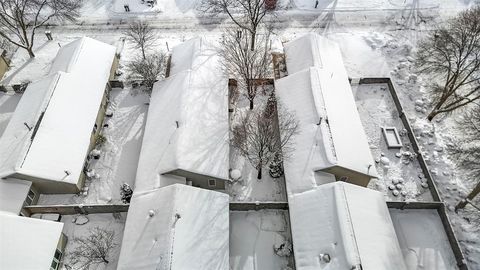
(422, 239)
(377, 38)
(397, 48)
(400, 175)
(110, 222)
(248, 187)
(253, 236)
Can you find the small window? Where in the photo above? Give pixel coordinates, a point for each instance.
(56, 260)
(212, 183)
(30, 197)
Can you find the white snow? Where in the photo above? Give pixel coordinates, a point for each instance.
(318, 92)
(374, 36)
(110, 222)
(8, 103)
(309, 152)
(188, 230)
(377, 109)
(423, 240)
(64, 106)
(12, 195)
(253, 235)
(16, 137)
(27, 243)
(119, 155)
(187, 124)
(248, 187)
(350, 223)
(344, 5)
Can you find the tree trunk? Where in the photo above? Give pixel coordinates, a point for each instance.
(105, 260)
(432, 114)
(143, 53)
(252, 42)
(259, 175)
(470, 196)
(251, 104)
(30, 53)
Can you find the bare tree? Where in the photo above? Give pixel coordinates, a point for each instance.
(19, 19)
(93, 249)
(259, 136)
(452, 55)
(246, 14)
(148, 69)
(142, 34)
(467, 150)
(250, 66)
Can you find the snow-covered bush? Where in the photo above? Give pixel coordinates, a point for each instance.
(126, 193)
(275, 167)
(101, 140)
(284, 249)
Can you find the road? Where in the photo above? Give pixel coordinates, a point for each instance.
(337, 19)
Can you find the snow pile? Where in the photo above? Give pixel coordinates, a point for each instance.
(187, 125)
(176, 227)
(49, 135)
(349, 223)
(20, 236)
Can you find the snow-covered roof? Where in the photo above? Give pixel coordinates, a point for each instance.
(187, 124)
(176, 227)
(27, 243)
(50, 130)
(350, 223)
(330, 131)
(312, 50)
(195, 53)
(85, 56)
(12, 195)
(423, 239)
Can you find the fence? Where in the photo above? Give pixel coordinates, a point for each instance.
(76, 209)
(247, 206)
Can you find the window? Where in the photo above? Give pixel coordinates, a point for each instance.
(30, 197)
(56, 260)
(212, 182)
